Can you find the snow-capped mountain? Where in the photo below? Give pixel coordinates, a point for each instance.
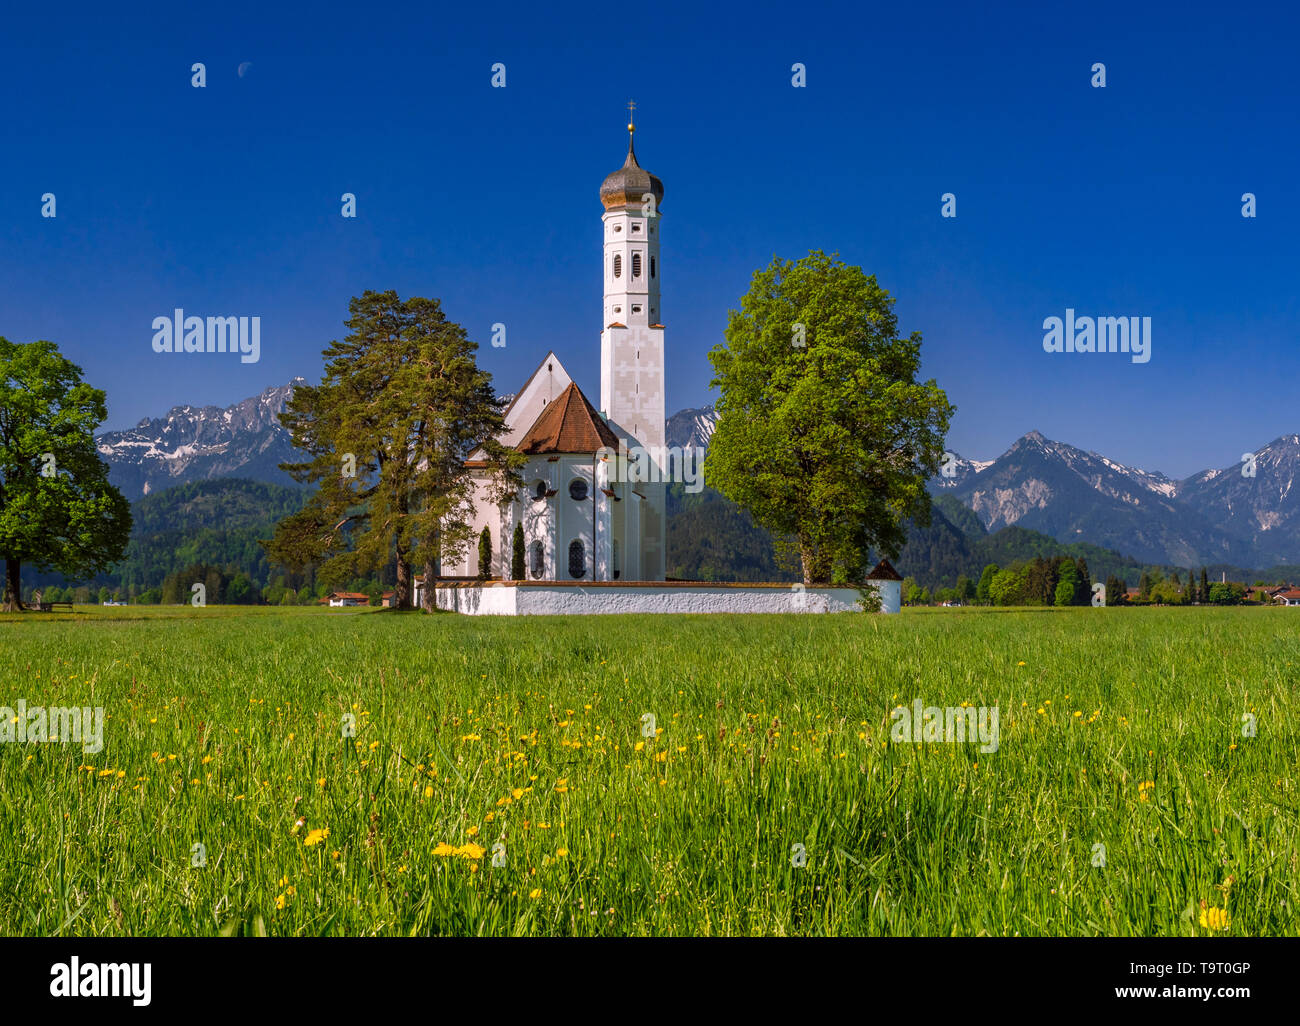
(691, 427)
(1217, 516)
(197, 443)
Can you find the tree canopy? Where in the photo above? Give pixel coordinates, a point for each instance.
(824, 434)
(387, 431)
(57, 509)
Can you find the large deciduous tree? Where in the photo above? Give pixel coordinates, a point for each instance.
(57, 508)
(387, 431)
(824, 434)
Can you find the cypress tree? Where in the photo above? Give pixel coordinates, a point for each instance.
(517, 554)
(485, 554)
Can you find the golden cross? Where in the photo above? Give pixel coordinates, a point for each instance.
(631, 106)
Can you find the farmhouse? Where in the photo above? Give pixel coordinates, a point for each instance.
(346, 598)
(592, 511)
(1287, 597)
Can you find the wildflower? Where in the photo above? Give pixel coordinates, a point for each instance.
(315, 837)
(562, 786)
(1214, 918)
(534, 894)
(561, 852)
(428, 791)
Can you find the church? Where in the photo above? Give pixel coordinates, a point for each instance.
(593, 506)
(582, 519)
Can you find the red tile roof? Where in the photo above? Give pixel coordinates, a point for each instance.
(568, 423)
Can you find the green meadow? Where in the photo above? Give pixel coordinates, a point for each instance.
(354, 772)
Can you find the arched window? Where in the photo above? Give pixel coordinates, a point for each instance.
(636, 265)
(578, 489)
(536, 560)
(577, 559)
(618, 265)
(539, 490)
(652, 267)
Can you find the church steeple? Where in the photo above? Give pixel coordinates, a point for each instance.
(632, 337)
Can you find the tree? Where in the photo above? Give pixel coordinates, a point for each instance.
(57, 508)
(986, 582)
(400, 408)
(485, 554)
(965, 588)
(1144, 587)
(1115, 591)
(517, 554)
(1205, 586)
(1067, 585)
(824, 434)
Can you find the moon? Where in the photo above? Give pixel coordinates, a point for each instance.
(243, 68)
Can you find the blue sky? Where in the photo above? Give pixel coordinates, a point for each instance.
(1117, 201)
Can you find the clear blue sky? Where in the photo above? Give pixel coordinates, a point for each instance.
(1115, 201)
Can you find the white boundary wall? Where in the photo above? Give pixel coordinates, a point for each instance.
(550, 599)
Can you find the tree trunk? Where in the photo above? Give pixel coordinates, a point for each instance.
(816, 569)
(430, 598)
(13, 587)
(402, 589)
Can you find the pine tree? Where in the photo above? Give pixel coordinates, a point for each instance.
(401, 406)
(485, 555)
(1205, 586)
(517, 554)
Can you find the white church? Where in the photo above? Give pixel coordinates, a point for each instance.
(593, 505)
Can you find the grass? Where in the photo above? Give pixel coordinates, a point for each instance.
(1120, 728)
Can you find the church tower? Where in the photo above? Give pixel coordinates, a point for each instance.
(632, 341)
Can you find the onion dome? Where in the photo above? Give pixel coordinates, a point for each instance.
(627, 186)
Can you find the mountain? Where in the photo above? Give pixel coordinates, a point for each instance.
(201, 443)
(1264, 506)
(1217, 517)
(1073, 495)
(691, 427)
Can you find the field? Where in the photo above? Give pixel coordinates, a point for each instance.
(226, 728)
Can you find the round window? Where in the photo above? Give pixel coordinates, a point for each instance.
(578, 489)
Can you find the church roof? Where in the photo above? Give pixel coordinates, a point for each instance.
(626, 186)
(568, 423)
(884, 571)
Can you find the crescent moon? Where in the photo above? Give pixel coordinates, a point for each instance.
(244, 67)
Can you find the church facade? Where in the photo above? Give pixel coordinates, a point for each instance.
(584, 518)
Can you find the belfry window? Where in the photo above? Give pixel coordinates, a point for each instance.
(636, 265)
(652, 267)
(618, 265)
(536, 559)
(577, 559)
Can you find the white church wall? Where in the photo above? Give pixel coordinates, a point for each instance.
(508, 599)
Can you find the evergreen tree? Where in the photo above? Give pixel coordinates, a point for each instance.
(517, 554)
(1205, 586)
(388, 430)
(1144, 587)
(485, 554)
